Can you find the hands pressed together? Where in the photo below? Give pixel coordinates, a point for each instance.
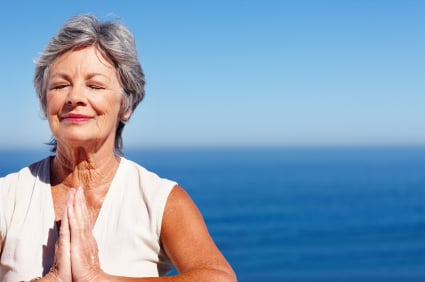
(76, 256)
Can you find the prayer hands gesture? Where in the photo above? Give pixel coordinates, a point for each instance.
(76, 257)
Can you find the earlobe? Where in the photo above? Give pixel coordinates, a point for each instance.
(126, 116)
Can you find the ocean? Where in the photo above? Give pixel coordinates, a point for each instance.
(301, 214)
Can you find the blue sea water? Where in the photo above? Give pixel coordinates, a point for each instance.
(334, 214)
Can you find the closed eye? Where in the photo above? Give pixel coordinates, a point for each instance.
(59, 86)
(96, 87)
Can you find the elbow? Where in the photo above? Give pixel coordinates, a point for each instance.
(212, 275)
(230, 277)
(226, 275)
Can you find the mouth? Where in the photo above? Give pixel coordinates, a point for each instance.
(75, 118)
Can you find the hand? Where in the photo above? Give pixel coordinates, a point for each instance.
(61, 269)
(83, 245)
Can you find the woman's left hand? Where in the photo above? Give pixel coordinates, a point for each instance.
(84, 251)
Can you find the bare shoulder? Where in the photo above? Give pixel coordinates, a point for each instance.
(180, 199)
(186, 238)
(181, 215)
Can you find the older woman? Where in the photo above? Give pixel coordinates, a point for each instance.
(87, 213)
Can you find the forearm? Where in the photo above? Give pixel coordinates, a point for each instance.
(194, 275)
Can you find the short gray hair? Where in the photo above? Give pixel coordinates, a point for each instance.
(115, 41)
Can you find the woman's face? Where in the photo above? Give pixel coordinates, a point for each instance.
(83, 99)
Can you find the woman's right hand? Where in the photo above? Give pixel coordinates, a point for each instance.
(61, 269)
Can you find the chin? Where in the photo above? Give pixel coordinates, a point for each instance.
(76, 141)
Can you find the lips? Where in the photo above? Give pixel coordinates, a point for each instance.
(75, 118)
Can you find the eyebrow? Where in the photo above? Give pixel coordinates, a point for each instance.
(67, 76)
(60, 75)
(91, 75)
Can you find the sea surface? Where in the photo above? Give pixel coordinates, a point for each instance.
(297, 214)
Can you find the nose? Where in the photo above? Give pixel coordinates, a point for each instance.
(76, 96)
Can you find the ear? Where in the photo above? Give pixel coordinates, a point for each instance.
(126, 115)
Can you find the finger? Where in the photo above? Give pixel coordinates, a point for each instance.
(82, 239)
(64, 233)
(70, 208)
(80, 219)
(61, 268)
(84, 251)
(64, 246)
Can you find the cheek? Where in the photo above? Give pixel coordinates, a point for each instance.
(110, 106)
(52, 110)
(53, 104)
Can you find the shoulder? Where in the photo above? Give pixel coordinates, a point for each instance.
(16, 187)
(39, 169)
(19, 185)
(144, 188)
(132, 171)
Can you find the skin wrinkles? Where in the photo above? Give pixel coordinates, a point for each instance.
(83, 83)
(73, 89)
(82, 96)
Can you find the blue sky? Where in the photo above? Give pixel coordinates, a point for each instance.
(243, 73)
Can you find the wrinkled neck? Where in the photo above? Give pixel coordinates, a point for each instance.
(79, 168)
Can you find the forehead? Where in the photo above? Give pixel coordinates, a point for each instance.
(83, 59)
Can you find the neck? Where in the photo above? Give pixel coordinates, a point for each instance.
(79, 168)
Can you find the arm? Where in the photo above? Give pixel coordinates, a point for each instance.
(188, 244)
(184, 235)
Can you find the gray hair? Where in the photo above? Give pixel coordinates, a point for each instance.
(115, 41)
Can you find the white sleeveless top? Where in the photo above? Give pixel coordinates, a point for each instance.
(127, 229)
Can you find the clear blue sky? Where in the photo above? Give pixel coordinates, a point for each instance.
(243, 73)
